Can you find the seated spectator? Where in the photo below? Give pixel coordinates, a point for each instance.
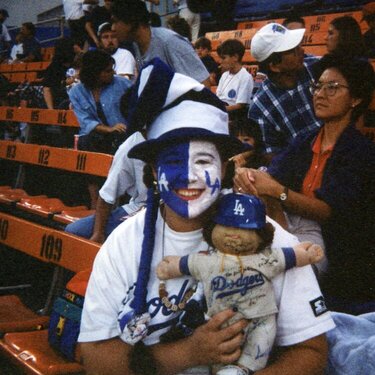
(344, 38)
(5, 38)
(282, 106)
(294, 22)
(124, 60)
(31, 47)
(203, 48)
(328, 176)
(249, 133)
(96, 103)
(124, 177)
(180, 26)
(98, 16)
(17, 49)
(368, 15)
(51, 91)
(126, 315)
(236, 84)
(54, 79)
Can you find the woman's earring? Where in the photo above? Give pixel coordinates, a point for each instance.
(155, 186)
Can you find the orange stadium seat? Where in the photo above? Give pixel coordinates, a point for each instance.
(70, 216)
(29, 349)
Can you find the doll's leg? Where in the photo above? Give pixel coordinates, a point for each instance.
(259, 341)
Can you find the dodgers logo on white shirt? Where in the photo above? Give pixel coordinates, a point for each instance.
(189, 177)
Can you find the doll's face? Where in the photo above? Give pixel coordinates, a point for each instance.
(189, 177)
(235, 241)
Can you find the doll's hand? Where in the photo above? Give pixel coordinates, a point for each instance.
(168, 268)
(212, 343)
(308, 253)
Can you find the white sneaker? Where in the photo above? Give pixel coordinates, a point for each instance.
(232, 370)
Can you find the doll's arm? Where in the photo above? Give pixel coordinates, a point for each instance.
(169, 268)
(307, 253)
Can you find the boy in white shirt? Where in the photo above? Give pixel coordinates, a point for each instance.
(236, 84)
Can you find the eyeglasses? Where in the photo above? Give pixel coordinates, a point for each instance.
(330, 88)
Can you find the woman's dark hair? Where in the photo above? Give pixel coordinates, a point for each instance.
(64, 51)
(359, 74)
(180, 26)
(31, 27)
(204, 43)
(350, 41)
(155, 20)
(250, 128)
(293, 18)
(266, 234)
(93, 63)
(231, 47)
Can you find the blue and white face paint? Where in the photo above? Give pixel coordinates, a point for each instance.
(189, 177)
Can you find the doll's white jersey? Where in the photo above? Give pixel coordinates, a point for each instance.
(115, 270)
(226, 285)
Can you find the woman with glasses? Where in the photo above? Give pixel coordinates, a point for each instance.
(329, 176)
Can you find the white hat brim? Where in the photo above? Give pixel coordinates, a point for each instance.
(294, 39)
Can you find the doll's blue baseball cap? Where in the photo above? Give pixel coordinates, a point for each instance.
(241, 211)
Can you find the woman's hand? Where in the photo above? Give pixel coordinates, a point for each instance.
(244, 181)
(240, 160)
(217, 342)
(257, 182)
(118, 128)
(104, 129)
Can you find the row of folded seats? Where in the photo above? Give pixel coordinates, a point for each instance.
(51, 208)
(40, 192)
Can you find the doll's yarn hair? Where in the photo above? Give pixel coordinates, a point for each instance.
(266, 234)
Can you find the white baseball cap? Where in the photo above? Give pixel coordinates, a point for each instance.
(274, 37)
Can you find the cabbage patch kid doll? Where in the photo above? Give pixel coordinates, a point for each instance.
(238, 273)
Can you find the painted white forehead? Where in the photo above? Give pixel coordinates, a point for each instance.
(204, 148)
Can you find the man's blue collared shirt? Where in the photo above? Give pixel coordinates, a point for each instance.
(284, 114)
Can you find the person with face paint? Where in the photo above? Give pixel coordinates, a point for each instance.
(127, 312)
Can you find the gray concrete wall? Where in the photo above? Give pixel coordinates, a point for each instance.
(26, 10)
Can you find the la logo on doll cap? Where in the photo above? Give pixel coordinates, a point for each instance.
(172, 107)
(241, 211)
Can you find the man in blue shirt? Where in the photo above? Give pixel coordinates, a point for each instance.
(130, 20)
(283, 104)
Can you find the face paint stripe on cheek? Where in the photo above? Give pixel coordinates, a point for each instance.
(214, 186)
(172, 167)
